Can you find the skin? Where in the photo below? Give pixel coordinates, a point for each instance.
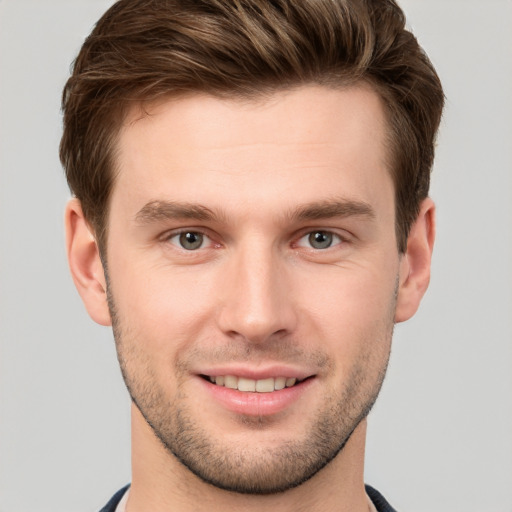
(256, 296)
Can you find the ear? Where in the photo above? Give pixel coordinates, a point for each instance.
(415, 263)
(85, 263)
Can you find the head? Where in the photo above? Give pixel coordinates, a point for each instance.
(142, 51)
(254, 176)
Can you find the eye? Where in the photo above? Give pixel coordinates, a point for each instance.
(189, 240)
(319, 240)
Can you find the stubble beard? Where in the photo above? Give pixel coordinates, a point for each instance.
(250, 469)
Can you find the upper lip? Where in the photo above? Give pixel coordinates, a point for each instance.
(259, 373)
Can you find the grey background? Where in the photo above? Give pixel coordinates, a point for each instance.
(440, 437)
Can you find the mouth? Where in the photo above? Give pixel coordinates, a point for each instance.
(267, 385)
(263, 392)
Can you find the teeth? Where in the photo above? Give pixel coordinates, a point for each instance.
(246, 384)
(251, 385)
(263, 385)
(290, 382)
(230, 382)
(280, 383)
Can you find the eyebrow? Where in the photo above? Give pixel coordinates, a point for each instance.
(160, 211)
(334, 208)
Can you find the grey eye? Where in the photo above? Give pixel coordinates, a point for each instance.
(320, 239)
(191, 240)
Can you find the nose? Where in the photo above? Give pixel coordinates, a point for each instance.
(257, 302)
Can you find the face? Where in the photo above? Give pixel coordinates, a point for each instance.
(252, 278)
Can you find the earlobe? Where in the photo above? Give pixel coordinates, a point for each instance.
(85, 263)
(415, 263)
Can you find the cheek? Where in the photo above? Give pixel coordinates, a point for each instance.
(352, 313)
(350, 295)
(163, 308)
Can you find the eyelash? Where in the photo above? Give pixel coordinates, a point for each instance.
(333, 239)
(178, 234)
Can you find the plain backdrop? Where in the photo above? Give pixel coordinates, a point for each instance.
(440, 436)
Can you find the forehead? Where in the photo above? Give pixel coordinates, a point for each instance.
(320, 109)
(292, 145)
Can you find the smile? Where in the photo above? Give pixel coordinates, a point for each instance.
(267, 385)
(249, 395)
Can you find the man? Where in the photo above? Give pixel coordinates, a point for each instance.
(251, 216)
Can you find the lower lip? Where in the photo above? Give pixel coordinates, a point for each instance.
(257, 404)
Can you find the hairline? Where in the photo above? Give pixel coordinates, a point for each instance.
(132, 111)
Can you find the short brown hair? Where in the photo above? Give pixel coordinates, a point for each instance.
(141, 50)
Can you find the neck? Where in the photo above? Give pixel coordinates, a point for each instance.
(160, 483)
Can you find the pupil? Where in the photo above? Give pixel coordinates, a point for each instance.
(320, 240)
(191, 240)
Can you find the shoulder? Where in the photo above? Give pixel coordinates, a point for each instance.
(378, 500)
(114, 501)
